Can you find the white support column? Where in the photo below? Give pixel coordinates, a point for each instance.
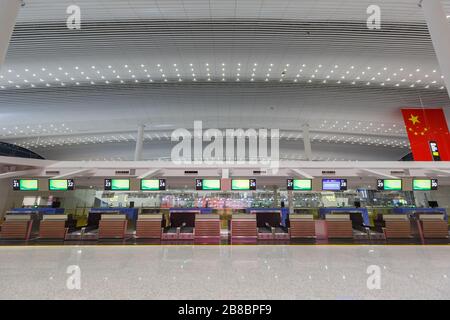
(439, 28)
(307, 142)
(9, 10)
(139, 143)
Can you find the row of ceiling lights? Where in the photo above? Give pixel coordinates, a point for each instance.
(53, 142)
(397, 78)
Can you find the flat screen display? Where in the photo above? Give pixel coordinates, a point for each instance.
(299, 184)
(389, 185)
(334, 184)
(243, 184)
(208, 184)
(25, 185)
(117, 184)
(153, 184)
(61, 184)
(425, 184)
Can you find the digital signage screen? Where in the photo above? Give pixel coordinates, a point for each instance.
(117, 184)
(299, 184)
(61, 184)
(153, 184)
(25, 185)
(334, 184)
(208, 184)
(425, 184)
(243, 184)
(389, 185)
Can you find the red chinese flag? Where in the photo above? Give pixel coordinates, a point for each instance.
(426, 127)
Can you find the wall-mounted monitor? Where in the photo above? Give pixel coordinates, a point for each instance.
(153, 184)
(117, 184)
(334, 184)
(243, 184)
(26, 185)
(208, 184)
(299, 184)
(390, 185)
(61, 184)
(425, 184)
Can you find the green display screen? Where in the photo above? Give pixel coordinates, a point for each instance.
(117, 184)
(393, 185)
(211, 184)
(425, 184)
(242, 185)
(60, 185)
(26, 185)
(153, 184)
(299, 184)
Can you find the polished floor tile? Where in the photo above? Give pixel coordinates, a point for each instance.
(225, 272)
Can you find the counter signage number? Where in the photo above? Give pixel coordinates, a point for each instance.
(198, 184)
(252, 184)
(434, 184)
(70, 184)
(108, 184)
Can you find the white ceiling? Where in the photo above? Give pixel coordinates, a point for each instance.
(232, 64)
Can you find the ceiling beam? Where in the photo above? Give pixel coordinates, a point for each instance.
(302, 173)
(14, 174)
(380, 174)
(441, 171)
(149, 173)
(71, 174)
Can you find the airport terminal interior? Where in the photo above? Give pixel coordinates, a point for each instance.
(266, 149)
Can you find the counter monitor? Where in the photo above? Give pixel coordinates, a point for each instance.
(61, 184)
(25, 185)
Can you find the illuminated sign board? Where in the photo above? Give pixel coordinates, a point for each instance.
(425, 184)
(435, 151)
(243, 185)
(334, 184)
(208, 184)
(389, 185)
(25, 185)
(153, 184)
(117, 184)
(299, 184)
(61, 184)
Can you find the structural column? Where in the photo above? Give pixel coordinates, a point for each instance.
(439, 28)
(8, 14)
(307, 142)
(139, 143)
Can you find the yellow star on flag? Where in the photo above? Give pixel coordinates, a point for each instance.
(414, 119)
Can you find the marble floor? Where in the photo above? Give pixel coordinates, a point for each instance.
(225, 272)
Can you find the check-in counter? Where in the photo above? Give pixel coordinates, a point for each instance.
(207, 227)
(53, 227)
(180, 224)
(302, 226)
(270, 224)
(149, 226)
(339, 226)
(17, 227)
(112, 226)
(397, 226)
(243, 227)
(434, 226)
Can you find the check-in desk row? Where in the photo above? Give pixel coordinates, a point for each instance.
(185, 225)
(261, 225)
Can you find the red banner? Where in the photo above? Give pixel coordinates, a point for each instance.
(428, 134)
